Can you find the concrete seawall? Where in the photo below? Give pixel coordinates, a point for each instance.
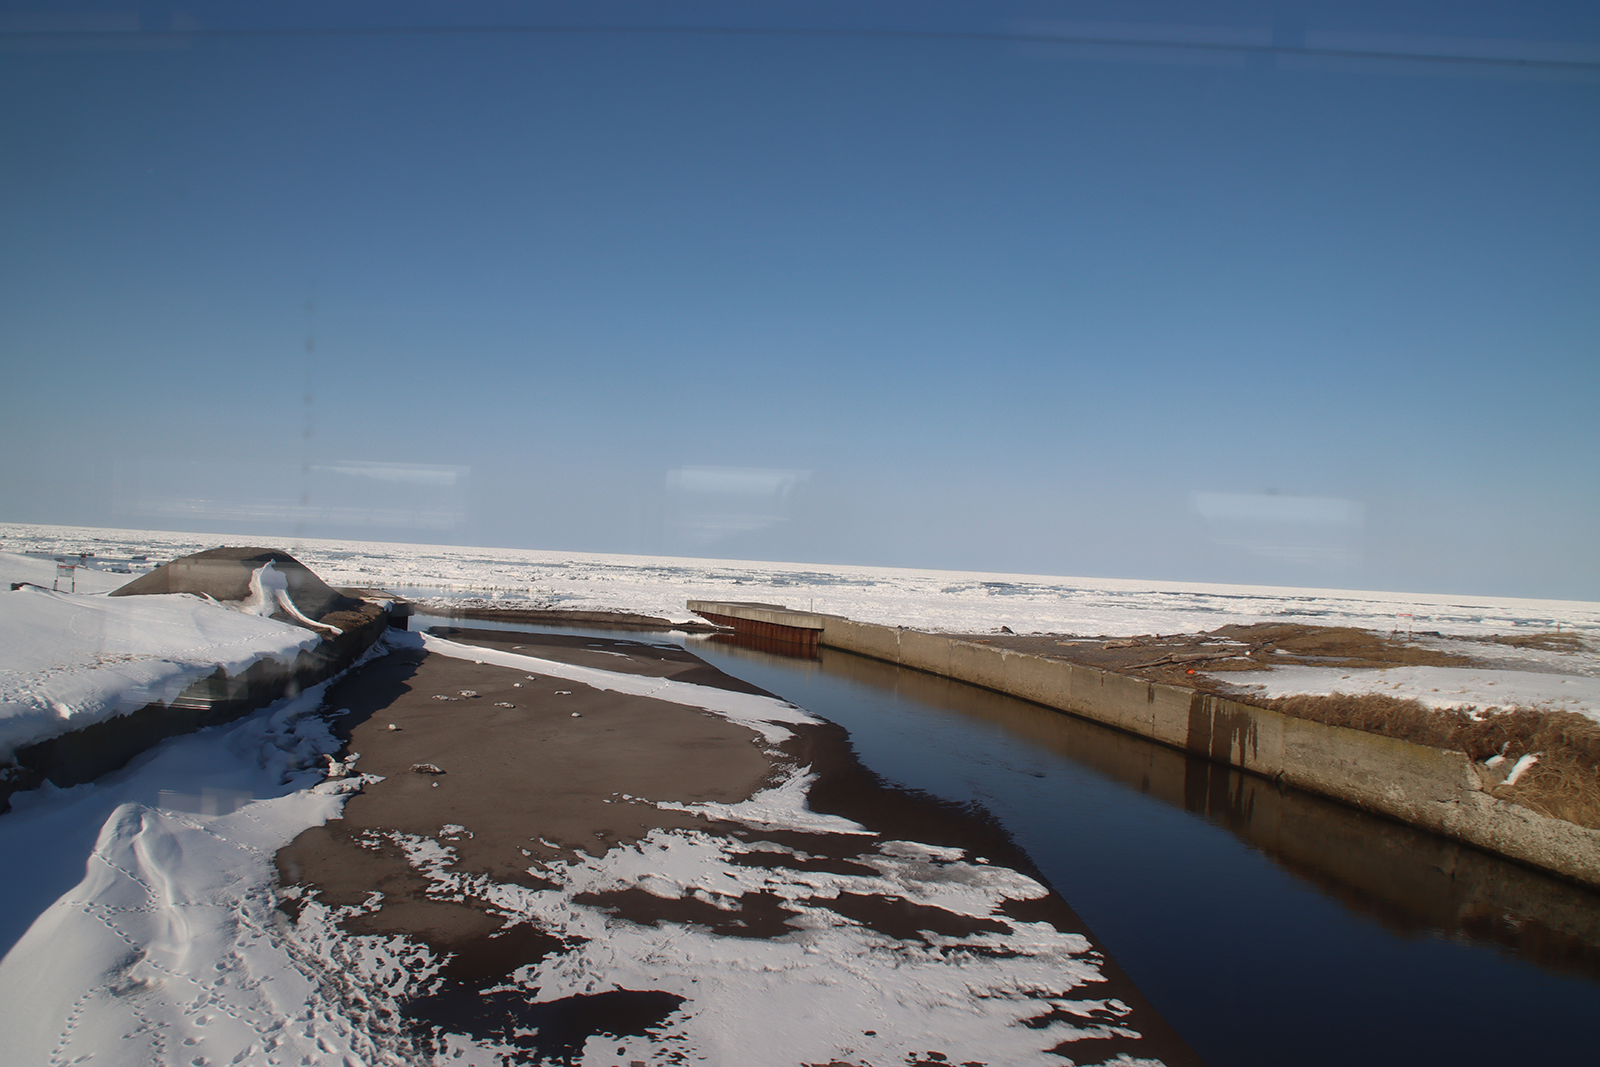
(1434, 789)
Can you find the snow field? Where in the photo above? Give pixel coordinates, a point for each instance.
(951, 601)
(170, 949)
(71, 659)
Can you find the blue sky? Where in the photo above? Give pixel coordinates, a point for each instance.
(1269, 304)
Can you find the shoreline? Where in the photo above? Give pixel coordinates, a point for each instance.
(554, 793)
(1443, 791)
(429, 862)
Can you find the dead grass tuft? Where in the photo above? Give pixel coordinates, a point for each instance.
(1550, 642)
(1409, 720)
(1564, 784)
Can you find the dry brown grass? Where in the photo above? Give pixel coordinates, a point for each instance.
(1549, 641)
(1564, 784)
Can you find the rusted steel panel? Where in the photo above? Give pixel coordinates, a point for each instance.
(802, 639)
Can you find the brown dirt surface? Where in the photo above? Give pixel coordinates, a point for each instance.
(554, 761)
(532, 783)
(1550, 642)
(1188, 659)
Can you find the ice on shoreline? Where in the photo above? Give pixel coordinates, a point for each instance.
(948, 601)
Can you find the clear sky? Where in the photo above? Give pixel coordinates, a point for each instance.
(1264, 299)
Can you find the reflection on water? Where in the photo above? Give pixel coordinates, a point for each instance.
(762, 643)
(1268, 926)
(1412, 882)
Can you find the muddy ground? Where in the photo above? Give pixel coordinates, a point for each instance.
(522, 770)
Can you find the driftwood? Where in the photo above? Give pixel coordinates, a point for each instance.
(1186, 657)
(1126, 642)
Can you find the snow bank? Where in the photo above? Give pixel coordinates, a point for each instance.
(169, 946)
(169, 949)
(68, 660)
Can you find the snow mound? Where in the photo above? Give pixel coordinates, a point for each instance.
(69, 660)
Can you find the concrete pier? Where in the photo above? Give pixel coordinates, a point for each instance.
(1438, 790)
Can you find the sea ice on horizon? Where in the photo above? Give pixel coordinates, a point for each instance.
(950, 601)
(956, 602)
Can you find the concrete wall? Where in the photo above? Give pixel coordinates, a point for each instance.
(769, 614)
(1402, 876)
(1434, 789)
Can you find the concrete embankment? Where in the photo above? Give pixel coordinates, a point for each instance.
(1434, 789)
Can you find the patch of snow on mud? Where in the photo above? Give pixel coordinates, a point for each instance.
(763, 714)
(781, 807)
(827, 988)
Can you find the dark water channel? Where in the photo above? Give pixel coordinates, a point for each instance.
(1268, 926)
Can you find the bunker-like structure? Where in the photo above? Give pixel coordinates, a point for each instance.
(347, 624)
(226, 573)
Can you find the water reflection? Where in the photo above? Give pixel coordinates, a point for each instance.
(1267, 927)
(1413, 883)
(762, 643)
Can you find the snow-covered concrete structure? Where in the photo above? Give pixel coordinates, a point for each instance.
(87, 680)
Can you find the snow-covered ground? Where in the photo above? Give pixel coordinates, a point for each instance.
(951, 601)
(1438, 687)
(170, 949)
(169, 944)
(71, 659)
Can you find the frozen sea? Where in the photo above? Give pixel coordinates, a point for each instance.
(950, 601)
